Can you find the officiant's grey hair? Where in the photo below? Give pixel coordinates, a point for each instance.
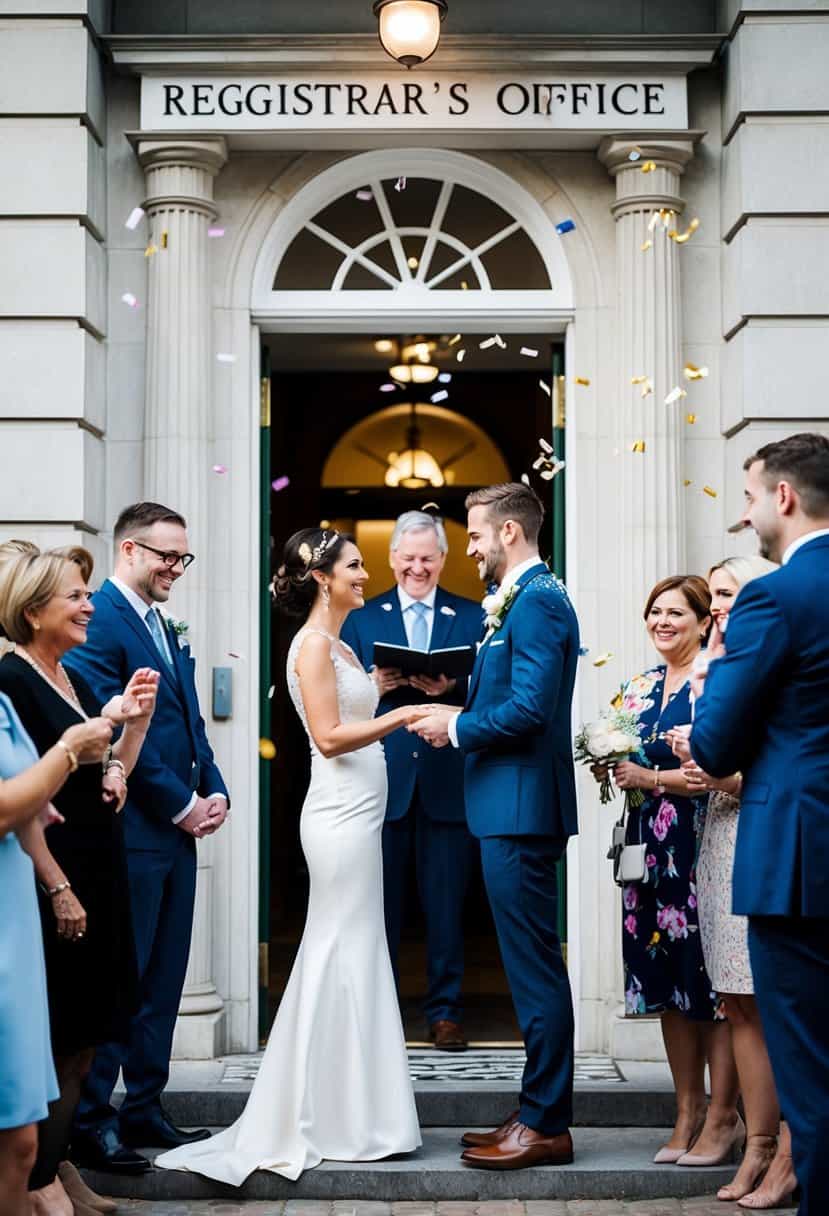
(418, 521)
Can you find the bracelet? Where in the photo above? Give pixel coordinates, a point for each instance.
(656, 776)
(53, 891)
(108, 759)
(114, 763)
(70, 755)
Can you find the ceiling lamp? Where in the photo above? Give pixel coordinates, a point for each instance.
(410, 29)
(414, 468)
(414, 373)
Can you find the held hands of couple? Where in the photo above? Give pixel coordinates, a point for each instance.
(205, 818)
(137, 702)
(431, 722)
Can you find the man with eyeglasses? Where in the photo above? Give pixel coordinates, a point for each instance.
(176, 796)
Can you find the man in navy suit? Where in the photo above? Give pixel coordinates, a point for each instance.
(764, 712)
(176, 796)
(515, 734)
(425, 802)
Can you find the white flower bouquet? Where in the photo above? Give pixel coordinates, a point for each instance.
(612, 738)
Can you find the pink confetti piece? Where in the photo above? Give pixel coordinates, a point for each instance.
(220, 468)
(129, 298)
(281, 483)
(365, 196)
(134, 218)
(388, 388)
(215, 233)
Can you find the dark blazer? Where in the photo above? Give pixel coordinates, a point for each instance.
(765, 713)
(176, 758)
(438, 774)
(515, 729)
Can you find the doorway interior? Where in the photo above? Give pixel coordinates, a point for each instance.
(337, 417)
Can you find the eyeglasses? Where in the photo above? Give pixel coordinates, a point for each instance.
(170, 557)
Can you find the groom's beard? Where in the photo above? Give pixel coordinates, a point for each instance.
(494, 562)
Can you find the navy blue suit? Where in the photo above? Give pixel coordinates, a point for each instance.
(765, 713)
(520, 792)
(175, 761)
(425, 799)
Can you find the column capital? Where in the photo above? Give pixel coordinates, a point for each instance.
(180, 172)
(638, 191)
(207, 154)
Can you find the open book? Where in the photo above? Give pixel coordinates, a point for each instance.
(454, 661)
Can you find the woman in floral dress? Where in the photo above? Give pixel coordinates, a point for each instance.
(664, 968)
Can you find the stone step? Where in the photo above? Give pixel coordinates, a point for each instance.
(611, 1163)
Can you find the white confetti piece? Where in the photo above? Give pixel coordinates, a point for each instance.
(529, 351)
(545, 446)
(445, 377)
(226, 358)
(675, 394)
(135, 217)
(400, 185)
(486, 344)
(545, 386)
(441, 396)
(129, 298)
(461, 355)
(365, 196)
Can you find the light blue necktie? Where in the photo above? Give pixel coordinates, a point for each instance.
(420, 628)
(154, 626)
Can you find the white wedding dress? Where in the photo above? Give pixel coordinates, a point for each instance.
(334, 1080)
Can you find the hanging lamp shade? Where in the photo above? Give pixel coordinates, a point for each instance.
(410, 29)
(414, 468)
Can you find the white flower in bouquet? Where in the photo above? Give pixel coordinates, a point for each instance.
(613, 737)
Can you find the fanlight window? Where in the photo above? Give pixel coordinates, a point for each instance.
(411, 235)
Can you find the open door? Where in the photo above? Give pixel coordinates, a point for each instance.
(264, 686)
(558, 560)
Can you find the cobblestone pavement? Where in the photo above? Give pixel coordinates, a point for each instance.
(346, 1207)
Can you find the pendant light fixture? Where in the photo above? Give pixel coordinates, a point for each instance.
(410, 29)
(414, 468)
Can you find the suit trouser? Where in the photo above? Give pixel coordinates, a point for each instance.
(521, 883)
(442, 860)
(790, 964)
(162, 895)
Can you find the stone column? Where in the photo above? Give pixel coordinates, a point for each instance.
(180, 359)
(650, 510)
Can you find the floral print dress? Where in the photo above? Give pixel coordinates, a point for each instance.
(664, 967)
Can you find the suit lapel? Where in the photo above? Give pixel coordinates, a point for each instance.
(475, 679)
(184, 675)
(140, 630)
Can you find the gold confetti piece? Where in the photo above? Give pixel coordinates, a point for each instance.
(666, 214)
(464, 285)
(638, 446)
(646, 245)
(545, 446)
(675, 394)
(649, 166)
(687, 483)
(164, 239)
(680, 238)
(583, 380)
(647, 386)
(413, 263)
(739, 527)
(690, 419)
(455, 340)
(150, 250)
(708, 490)
(601, 659)
(692, 372)
(267, 749)
(461, 355)
(546, 387)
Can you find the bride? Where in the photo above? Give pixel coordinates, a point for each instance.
(334, 1080)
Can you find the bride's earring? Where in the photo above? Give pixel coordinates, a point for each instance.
(326, 596)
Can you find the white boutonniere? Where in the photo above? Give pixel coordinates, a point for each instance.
(447, 611)
(387, 607)
(497, 605)
(180, 628)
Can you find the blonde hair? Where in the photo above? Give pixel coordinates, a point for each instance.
(744, 569)
(29, 579)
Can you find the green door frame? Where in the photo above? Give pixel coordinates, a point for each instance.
(264, 685)
(559, 565)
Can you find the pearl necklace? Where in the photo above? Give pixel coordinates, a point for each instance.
(70, 697)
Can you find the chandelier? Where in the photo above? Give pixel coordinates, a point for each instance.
(414, 467)
(410, 29)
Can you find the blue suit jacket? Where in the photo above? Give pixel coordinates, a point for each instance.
(437, 774)
(516, 729)
(765, 713)
(176, 758)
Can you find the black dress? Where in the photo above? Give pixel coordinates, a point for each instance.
(92, 983)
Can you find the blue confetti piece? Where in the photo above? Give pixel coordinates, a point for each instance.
(565, 226)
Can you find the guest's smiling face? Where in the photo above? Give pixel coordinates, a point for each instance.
(673, 627)
(149, 573)
(62, 621)
(723, 589)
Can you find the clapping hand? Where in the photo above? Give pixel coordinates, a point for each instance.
(137, 702)
(49, 816)
(679, 741)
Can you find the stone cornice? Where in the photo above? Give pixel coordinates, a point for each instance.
(154, 53)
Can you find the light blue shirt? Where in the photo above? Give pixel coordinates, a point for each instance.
(409, 616)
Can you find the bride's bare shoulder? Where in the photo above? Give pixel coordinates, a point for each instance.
(313, 650)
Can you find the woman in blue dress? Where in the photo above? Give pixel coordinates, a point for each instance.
(664, 968)
(27, 1075)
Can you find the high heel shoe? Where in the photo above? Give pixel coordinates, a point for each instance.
(80, 1193)
(731, 1152)
(756, 1201)
(759, 1151)
(670, 1156)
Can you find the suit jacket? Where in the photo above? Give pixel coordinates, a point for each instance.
(516, 729)
(765, 713)
(176, 758)
(437, 774)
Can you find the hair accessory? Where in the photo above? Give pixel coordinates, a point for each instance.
(310, 555)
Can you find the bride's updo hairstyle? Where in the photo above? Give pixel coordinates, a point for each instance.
(294, 587)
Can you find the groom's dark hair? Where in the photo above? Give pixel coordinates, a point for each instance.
(511, 500)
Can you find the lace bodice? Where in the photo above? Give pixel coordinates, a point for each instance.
(357, 694)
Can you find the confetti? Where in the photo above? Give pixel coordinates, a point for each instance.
(709, 491)
(690, 419)
(666, 214)
(635, 154)
(647, 386)
(441, 396)
(388, 388)
(646, 245)
(654, 220)
(271, 691)
(150, 250)
(540, 463)
(583, 380)
(602, 659)
(499, 341)
(583, 650)
(129, 298)
(215, 233)
(687, 483)
(234, 654)
(226, 358)
(461, 355)
(445, 378)
(681, 237)
(413, 263)
(565, 226)
(135, 217)
(638, 446)
(692, 372)
(543, 384)
(453, 341)
(675, 394)
(648, 166)
(529, 351)
(267, 749)
(281, 483)
(545, 446)
(365, 196)
(525, 479)
(464, 285)
(549, 474)
(487, 342)
(400, 185)
(220, 468)
(739, 527)
(164, 239)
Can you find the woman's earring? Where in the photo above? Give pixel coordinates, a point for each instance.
(326, 597)
(35, 626)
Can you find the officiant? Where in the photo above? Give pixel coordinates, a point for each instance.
(425, 809)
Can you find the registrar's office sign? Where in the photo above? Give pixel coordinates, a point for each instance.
(481, 101)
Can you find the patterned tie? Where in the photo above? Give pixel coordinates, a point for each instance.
(420, 629)
(155, 628)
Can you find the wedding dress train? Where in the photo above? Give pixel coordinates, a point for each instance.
(334, 1080)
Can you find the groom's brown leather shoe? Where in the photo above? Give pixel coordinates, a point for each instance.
(448, 1036)
(482, 1139)
(520, 1148)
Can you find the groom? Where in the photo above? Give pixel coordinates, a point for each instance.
(520, 796)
